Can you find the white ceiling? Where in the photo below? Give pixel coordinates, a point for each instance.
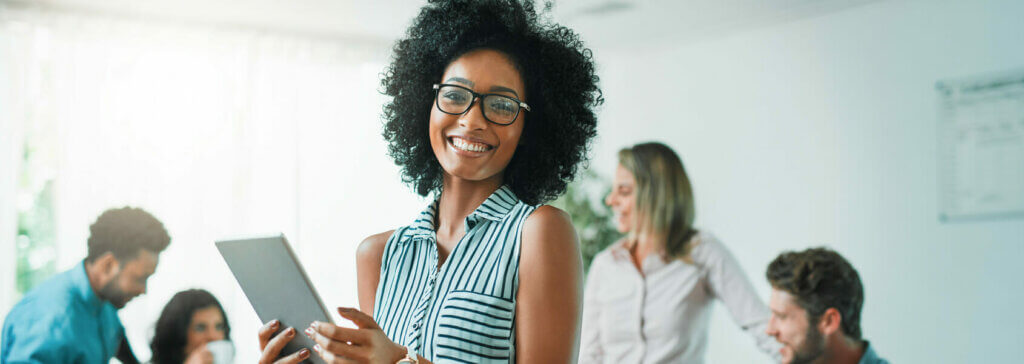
(625, 22)
(600, 22)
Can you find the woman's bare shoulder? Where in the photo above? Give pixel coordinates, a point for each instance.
(372, 248)
(548, 231)
(548, 217)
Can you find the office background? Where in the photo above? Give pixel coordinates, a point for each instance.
(801, 123)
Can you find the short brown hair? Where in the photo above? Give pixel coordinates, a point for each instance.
(820, 279)
(124, 232)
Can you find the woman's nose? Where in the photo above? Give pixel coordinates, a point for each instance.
(215, 335)
(474, 117)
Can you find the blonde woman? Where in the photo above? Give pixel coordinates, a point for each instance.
(648, 296)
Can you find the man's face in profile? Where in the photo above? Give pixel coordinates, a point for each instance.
(790, 325)
(130, 280)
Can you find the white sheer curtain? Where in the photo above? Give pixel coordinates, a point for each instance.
(217, 132)
(10, 163)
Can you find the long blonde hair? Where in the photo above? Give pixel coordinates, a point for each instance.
(664, 198)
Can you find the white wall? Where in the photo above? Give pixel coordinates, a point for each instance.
(823, 132)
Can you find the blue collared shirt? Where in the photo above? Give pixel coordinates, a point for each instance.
(61, 321)
(870, 357)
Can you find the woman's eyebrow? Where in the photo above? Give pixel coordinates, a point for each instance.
(461, 80)
(472, 84)
(504, 89)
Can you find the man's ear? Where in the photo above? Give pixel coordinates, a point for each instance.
(107, 266)
(830, 322)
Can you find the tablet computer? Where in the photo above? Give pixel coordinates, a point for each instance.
(276, 285)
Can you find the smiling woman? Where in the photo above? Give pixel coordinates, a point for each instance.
(463, 143)
(676, 271)
(558, 80)
(492, 111)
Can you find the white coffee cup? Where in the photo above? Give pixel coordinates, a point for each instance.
(223, 351)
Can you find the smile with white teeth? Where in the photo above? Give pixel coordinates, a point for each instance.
(468, 145)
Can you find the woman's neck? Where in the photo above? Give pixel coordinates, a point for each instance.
(645, 244)
(459, 198)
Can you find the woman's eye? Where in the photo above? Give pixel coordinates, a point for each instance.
(502, 106)
(455, 97)
(200, 327)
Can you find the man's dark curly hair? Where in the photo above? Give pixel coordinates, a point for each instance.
(561, 88)
(172, 327)
(124, 232)
(820, 279)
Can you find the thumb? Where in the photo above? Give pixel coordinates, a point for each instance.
(361, 319)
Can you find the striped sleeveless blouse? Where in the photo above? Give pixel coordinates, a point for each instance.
(464, 311)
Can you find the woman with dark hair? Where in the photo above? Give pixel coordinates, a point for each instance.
(190, 320)
(491, 111)
(648, 297)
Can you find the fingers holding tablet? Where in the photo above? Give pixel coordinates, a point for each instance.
(366, 344)
(267, 331)
(271, 345)
(277, 286)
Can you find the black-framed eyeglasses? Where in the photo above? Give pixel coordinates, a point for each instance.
(457, 100)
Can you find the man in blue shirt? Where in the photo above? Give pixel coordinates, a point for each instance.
(72, 317)
(816, 301)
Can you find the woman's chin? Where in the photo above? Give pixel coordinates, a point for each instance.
(469, 172)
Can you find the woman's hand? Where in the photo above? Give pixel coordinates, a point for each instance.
(200, 355)
(271, 345)
(367, 345)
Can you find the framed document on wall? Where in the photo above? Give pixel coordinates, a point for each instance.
(981, 147)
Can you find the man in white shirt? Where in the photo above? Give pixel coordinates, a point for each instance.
(816, 302)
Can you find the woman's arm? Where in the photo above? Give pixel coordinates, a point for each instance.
(730, 284)
(368, 259)
(548, 301)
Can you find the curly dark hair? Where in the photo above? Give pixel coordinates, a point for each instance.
(124, 232)
(171, 334)
(561, 87)
(820, 279)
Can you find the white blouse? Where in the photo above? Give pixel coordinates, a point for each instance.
(662, 316)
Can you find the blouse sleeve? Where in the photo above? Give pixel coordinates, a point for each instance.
(590, 338)
(727, 281)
